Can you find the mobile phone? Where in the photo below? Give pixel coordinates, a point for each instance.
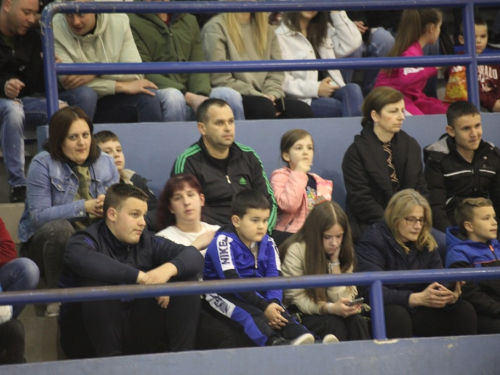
(356, 301)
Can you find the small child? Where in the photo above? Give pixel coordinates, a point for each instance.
(474, 244)
(244, 250)
(109, 143)
(296, 190)
(487, 75)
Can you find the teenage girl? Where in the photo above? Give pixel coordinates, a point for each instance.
(296, 190)
(422, 27)
(324, 246)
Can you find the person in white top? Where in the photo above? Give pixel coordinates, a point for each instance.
(309, 35)
(179, 211)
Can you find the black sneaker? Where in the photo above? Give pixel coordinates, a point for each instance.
(277, 341)
(17, 194)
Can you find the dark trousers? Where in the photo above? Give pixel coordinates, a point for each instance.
(12, 342)
(487, 325)
(140, 326)
(458, 320)
(253, 320)
(128, 108)
(354, 327)
(260, 108)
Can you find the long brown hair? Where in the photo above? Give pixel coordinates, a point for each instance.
(415, 23)
(260, 27)
(317, 30)
(323, 216)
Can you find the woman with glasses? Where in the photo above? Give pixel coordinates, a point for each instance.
(382, 160)
(402, 241)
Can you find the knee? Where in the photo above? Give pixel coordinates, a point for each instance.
(29, 273)
(171, 97)
(11, 114)
(353, 89)
(381, 42)
(60, 229)
(232, 97)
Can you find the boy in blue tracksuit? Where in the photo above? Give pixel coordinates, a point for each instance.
(244, 250)
(474, 244)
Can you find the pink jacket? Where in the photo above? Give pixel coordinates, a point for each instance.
(411, 82)
(290, 191)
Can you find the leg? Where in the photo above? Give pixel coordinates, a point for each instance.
(293, 108)
(357, 328)
(487, 325)
(459, 320)
(322, 325)
(351, 98)
(347, 74)
(173, 105)
(397, 322)
(258, 108)
(292, 329)
(46, 249)
(431, 86)
(128, 108)
(19, 274)
(233, 98)
(75, 341)
(326, 107)
(83, 97)
(12, 341)
(12, 122)
(381, 42)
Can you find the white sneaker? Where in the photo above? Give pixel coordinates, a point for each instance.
(52, 310)
(330, 339)
(304, 339)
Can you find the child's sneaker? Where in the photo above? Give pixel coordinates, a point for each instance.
(304, 339)
(330, 339)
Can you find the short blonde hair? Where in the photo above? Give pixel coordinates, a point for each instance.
(398, 209)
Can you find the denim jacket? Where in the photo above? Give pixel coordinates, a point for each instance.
(51, 190)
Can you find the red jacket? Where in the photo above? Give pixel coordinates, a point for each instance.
(7, 246)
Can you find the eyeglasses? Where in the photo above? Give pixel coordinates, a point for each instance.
(413, 220)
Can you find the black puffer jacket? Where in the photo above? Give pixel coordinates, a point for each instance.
(367, 180)
(451, 178)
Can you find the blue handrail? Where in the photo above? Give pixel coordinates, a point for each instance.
(51, 69)
(374, 280)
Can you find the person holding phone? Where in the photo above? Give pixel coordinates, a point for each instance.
(403, 241)
(324, 246)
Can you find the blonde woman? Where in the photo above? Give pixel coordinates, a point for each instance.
(245, 37)
(403, 241)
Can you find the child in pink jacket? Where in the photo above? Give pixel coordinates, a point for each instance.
(422, 26)
(296, 190)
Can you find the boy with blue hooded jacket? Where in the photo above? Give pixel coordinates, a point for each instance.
(474, 244)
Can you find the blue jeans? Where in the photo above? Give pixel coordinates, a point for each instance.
(83, 97)
(174, 107)
(380, 43)
(19, 274)
(345, 102)
(128, 108)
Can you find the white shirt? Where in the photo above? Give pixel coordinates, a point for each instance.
(174, 234)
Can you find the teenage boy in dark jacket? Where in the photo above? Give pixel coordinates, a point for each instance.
(118, 251)
(461, 165)
(222, 166)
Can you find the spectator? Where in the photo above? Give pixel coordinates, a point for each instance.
(324, 246)
(66, 187)
(105, 38)
(222, 166)
(473, 244)
(16, 274)
(110, 144)
(117, 251)
(296, 190)
(461, 165)
(21, 79)
(11, 337)
(422, 27)
(309, 35)
(403, 242)
(382, 160)
(247, 36)
(244, 250)
(167, 37)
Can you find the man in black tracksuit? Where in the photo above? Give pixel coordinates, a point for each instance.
(222, 166)
(461, 165)
(118, 251)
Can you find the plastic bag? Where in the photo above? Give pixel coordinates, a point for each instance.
(456, 88)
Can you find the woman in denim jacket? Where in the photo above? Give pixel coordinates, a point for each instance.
(65, 191)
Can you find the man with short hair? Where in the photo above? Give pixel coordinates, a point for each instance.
(105, 38)
(117, 251)
(461, 165)
(22, 87)
(222, 166)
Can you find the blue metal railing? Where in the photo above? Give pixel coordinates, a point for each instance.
(374, 280)
(469, 59)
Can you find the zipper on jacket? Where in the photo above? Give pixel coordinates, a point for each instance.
(228, 180)
(288, 225)
(493, 251)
